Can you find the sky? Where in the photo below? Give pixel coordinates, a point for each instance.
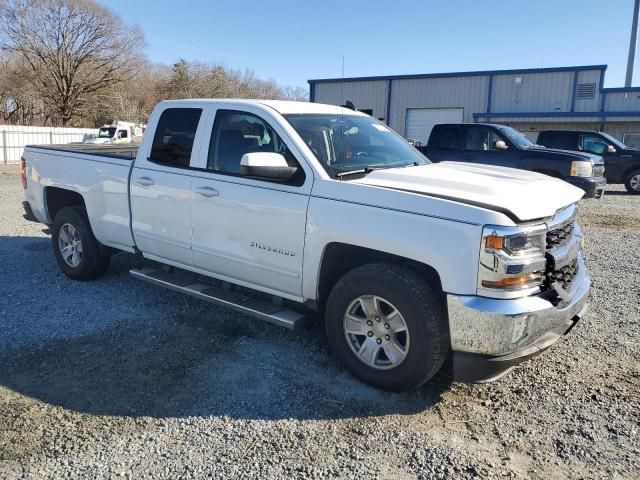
(294, 41)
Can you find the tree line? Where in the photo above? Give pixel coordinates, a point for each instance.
(76, 63)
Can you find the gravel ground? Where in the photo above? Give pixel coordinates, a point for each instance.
(116, 378)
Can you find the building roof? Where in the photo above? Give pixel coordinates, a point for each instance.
(462, 74)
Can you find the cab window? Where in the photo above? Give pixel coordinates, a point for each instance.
(236, 133)
(481, 139)
(174, 136)
(594, 144)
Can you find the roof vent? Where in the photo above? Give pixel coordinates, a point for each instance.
(586, 91)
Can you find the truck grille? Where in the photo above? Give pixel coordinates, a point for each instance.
(564, 275)
(557, 237)
(598, 171)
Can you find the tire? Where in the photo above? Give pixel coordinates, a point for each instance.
(632, 182)
(84, 257)
(426, 341)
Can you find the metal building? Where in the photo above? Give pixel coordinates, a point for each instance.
(529, 100)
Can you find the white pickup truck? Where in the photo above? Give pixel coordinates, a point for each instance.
(279, 209)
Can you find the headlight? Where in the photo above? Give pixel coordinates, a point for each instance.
(581, 169)
(512, 260)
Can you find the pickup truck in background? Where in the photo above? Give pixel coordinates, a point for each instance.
(622, 163)
(117, 132)
(491, 144)
(281, 209)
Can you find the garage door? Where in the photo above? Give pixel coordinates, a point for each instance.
(420, 121)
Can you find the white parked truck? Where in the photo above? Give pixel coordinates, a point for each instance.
(277, 209)
(117, 132)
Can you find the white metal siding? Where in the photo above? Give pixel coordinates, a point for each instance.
(368, 95)
(536, 92)
(420, 121)
(585, 105)
(468, 93)
(13, 138)
(622, 102)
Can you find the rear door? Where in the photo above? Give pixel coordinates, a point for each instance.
(480, 147)
(161, 186)
(445, 143)
(420, 121)
(249, 230)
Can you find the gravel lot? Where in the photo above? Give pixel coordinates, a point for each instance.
(120, 379)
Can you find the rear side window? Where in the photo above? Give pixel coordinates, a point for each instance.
(175, 133)
(563, 141)
(448, 138)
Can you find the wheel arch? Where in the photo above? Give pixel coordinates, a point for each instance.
(340, 258)
(628, 171)
(56, 198)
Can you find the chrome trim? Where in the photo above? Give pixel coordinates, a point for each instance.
(563, 217)
(497, 327)
(567, 252)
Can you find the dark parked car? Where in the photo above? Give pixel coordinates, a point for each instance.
(492, 144)
(622, 163)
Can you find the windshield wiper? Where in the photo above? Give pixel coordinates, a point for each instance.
(364, 171)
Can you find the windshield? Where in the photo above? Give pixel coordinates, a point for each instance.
(615, 141)
(347, 143)
(517, 137)
(106, 132)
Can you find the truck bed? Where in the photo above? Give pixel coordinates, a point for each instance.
(127, 152)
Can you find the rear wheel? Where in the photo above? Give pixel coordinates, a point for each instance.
(78, 253)
(387, 326)
(632, 182)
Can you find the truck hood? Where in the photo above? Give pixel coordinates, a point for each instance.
(568, 154)
(520, 194)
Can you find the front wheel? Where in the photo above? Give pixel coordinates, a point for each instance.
(387, 326)
(78, 253)
(632, 182)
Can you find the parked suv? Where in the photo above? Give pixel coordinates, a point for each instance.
(503, 146)
(622, 163)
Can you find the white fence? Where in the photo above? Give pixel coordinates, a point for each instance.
(13, 138)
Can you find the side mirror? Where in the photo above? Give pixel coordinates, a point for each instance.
(266, 165)
(501, 145)
(611, 149)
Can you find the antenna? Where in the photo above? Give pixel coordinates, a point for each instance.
(342, 93)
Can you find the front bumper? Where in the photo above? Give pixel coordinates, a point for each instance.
(490, 336)
(593, 186)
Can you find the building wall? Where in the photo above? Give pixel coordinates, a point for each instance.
(364, 95)
(543, 92)
(510, 93)
(469, 93)
(622, 101)
(589, 76)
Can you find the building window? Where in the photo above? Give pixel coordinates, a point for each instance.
(586, 91)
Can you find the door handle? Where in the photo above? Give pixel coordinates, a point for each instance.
(144, 181)
(207, 191)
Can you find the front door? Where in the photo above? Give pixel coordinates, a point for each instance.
(613, 161)
(480, 147)
(250, 230)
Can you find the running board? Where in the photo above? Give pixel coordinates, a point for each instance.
(226, 297)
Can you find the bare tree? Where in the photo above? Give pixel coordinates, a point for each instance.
(74, 48)
(299, 94)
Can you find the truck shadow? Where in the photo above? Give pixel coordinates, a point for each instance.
(138, 350)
